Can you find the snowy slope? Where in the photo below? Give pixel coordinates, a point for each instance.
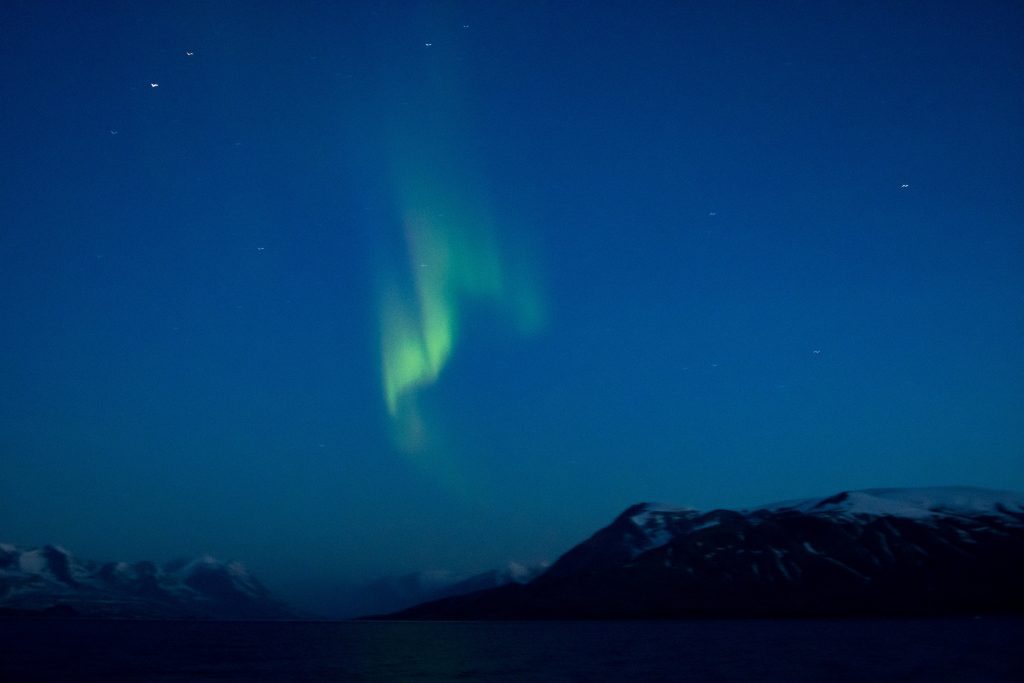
(41, 578)
(656, 524)
(912, 503)
(876, 551)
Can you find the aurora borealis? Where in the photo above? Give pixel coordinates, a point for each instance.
(427, 285)
(453, 260)
(450, 255)
(449, 267)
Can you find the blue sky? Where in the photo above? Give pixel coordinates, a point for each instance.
(774, 249)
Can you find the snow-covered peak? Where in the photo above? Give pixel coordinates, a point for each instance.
(517, 572)
(32, 562)
(656, 523)
(204, 561)
(43, 577)
(912, 503)
(642, 513)
(184, 568)
(238, 570)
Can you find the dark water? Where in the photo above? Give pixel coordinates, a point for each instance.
(858, 650)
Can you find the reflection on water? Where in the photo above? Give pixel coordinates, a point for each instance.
(766, 650)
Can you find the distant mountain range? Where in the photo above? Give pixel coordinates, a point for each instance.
(952, 550)
(391, 593)
(50, 581)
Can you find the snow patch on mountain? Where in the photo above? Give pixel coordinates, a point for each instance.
(910, 503)
(40, 578)
(655, 524)
(645, 511)
(922, 551)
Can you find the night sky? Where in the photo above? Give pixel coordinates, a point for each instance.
(350, 289)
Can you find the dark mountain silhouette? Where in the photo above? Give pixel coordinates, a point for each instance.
(932, 551)
(393, 593)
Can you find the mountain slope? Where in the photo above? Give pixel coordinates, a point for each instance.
(878, 551)
(51, 580)
(393, 593)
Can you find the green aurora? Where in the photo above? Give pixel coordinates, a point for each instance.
(453, 260)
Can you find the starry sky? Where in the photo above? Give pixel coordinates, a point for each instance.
(344, 289)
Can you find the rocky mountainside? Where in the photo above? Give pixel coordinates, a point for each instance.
(49, 580)
(880, 551)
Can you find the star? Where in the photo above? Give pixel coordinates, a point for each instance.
(904, 186)
(427, 44)
(189, 53)
(154, 85)
(816, 352)
(113, 132)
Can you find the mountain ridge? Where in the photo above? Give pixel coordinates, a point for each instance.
(874, 551)
(49, 580)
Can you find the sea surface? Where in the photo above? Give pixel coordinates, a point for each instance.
(987, 649)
